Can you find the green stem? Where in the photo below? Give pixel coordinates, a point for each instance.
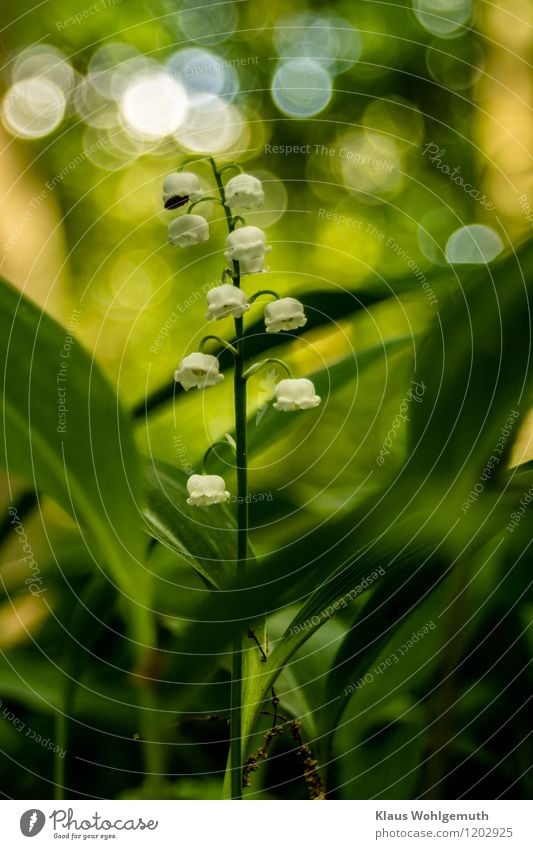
(61, 732)
(227, 211)
(202, 200)
(151, 735)
(236, 753)
(228, 167)
(257, 295)
(258, 366)
(222, 342)
(242, 550)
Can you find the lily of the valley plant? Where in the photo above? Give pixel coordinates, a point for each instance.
(246, 249)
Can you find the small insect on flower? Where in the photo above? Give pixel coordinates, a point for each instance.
(284, 314)
(226, 300)
(200, 370)
(206, 489)
(295, 394)
(247, 246)
(180, 188)
(244, 192)
(188, 230)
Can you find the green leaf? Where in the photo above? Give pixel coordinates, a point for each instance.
(334, 594)
(204, 538)
(475, 363)
(328, 380)
(390, 604)
(318, 568)
(387, 763)
(39, 686)
(83, 456)
(207, 541)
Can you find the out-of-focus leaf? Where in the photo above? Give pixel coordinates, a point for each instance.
(386, 765)
(36, 684)
(205, 539)
(20, 617)
(83, 456)
(186, 788)
(474, 363)
(327, 380)
(378, 535)
(391, 602)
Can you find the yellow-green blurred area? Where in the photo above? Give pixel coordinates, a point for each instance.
(340, 112)
(393, 142)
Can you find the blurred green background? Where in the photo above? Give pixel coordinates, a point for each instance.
(383, 133)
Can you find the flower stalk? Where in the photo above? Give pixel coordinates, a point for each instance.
(245, 255)
(258, 366)
(222, 342)
(241, 463)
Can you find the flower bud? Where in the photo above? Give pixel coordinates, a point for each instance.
(295, 394)
(247, 246)
(180, 189)
(284, 314)
(188, 230)
(244, 192)
(226, 300)
(200, 370)
(206, 489)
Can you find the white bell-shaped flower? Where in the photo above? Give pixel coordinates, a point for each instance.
(188, 230)
(226, 300)
(244, 192)
(295, 394)
(180, 188)
(284, 314)
(200, 370)
(247, 246)
(252, 265)
(206, 489)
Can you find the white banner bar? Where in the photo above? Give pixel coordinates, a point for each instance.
(267, 825)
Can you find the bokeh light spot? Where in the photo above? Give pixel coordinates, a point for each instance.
(44, 62)
(474, 244)
(208, 22)
(212, 126)
(204, 72)
(93, 107)
(301, 87)
(442, 17)
(329, 40)
(113, 65)
(456, 63)
(396, 119)
(33, 107)
(368, 164)
(154, 105)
